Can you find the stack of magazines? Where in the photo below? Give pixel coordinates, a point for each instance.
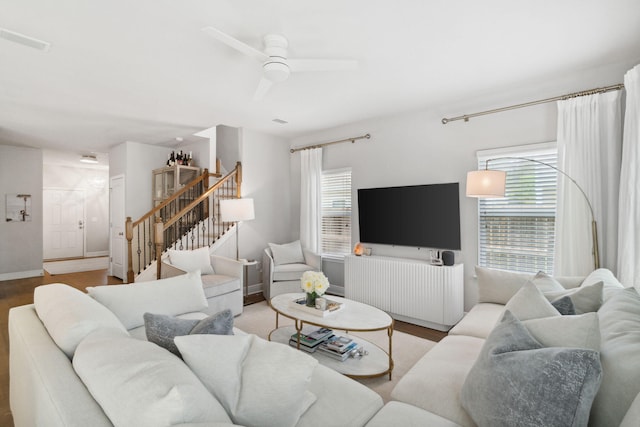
(338, 347)
(311, 341)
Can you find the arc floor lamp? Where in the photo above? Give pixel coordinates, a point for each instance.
(489, 183)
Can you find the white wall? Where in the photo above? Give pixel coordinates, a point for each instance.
(416, 148)
(21, 242)
(265, 178)
(228, 146)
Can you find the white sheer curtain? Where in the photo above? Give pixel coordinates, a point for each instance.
(589, 151)
(629, 217)
(310, 198)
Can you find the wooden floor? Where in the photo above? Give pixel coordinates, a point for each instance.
(19, 292)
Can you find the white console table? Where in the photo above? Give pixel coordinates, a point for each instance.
(410, 290)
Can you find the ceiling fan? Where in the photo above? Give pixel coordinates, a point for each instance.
(276, 66)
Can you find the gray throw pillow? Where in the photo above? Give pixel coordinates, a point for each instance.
(585, 299)
(564, 306)
(517, 382)
(220, 323)
(162, 329)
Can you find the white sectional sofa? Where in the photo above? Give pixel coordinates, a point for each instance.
(77, 360)
(80, 360)
(434, 384)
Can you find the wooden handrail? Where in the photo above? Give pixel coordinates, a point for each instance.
(201, 198)
(162, 224)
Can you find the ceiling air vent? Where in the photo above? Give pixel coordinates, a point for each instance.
(24, 40)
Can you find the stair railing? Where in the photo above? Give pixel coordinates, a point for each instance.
(188, 219)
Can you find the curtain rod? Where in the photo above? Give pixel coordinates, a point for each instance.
(466, 117)
(308, 147)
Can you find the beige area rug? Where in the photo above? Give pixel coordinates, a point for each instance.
(260, 319)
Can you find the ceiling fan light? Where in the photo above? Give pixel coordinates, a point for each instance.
(276, 71)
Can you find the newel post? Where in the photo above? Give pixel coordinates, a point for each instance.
(238, 179)
(159, 239)
(205, 187)
(128, 226)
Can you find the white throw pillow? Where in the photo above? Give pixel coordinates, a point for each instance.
(173, 296)
(611, 285)
(546, 283)
(530, 303)
(580, 331)
(585, 299)
(140, 384)
(189, 261)
(70, 315)
(241, 372)
(289, 253)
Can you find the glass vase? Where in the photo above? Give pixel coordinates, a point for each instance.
(311, 299)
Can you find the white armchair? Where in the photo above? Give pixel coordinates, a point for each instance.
(222, 278)
(282, 272)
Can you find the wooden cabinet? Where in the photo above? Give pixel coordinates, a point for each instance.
(169, 179)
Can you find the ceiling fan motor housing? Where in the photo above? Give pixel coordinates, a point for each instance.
(276, 68)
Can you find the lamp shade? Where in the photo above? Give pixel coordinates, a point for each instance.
(236, 210)
(486, 183)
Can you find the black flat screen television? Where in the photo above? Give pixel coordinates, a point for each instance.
(426, 216)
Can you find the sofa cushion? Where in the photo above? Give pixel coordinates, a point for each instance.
(530, 303)
(288, 253)
(435, 381)
(161, 329)
(218, 284)
(516, 381)
(70, 315)
(341, 401)
(498, 286)
(585, 299)
(138, 383)
(244, 380)
(610, 283)
(479, 321)
(197, 259)
(619, 350)
(176, 295)
(290, 271)
(401, 414)
(633, 414)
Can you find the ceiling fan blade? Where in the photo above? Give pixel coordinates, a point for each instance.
(263, 88)
(235, 43)
(297, 65)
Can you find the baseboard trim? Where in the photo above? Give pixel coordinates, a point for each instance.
(21, 274)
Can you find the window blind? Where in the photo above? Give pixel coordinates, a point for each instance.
(336, 212)
(517, 232)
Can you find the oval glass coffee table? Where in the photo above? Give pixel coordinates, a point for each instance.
(352, 316)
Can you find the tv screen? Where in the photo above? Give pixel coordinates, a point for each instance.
(426, 216)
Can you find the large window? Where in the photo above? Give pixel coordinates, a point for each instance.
(336, 212)
(517, 232)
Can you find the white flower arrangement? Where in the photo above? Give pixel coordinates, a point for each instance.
(314, 282)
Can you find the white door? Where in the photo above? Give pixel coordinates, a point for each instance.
(117, 264)
(63, 223)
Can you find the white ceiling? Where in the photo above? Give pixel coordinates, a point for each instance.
(123, 70)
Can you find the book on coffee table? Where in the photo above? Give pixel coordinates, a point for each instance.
(312, 339)
(341, 355)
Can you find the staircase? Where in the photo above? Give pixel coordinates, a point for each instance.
(187, 220)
